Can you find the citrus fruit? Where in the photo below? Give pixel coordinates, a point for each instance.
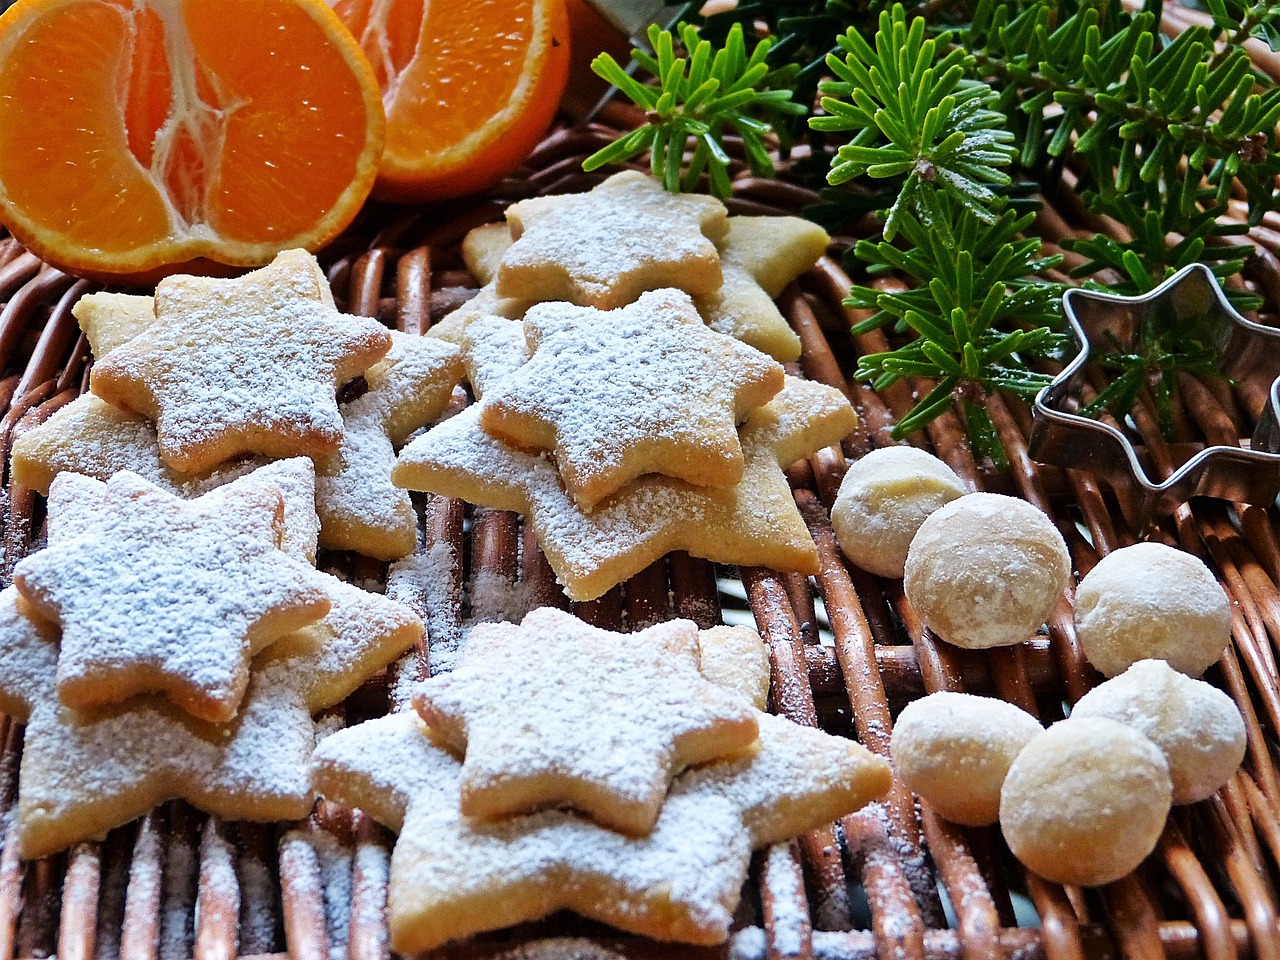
(140, 136)
(469, 87)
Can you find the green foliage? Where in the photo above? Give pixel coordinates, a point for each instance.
(698, 100)
(1238, 21)
(979, 312)
(915, 120)
(1160, 132)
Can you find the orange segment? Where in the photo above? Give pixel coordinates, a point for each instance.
(137, 136)
(469, 86)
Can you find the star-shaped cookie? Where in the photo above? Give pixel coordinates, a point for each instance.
(482, 251)
(759, 257)
(452, 876)
(250, 365)
(616, 394)
(755, 523)
(167, 595)
(360, 509)
(84, 773)
(605, 248)
(605, 719)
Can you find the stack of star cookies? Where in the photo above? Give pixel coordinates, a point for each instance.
(161, 647)
(628, 413)
(561, 766)
(209, 378)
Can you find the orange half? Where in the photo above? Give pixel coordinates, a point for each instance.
(139, 135)
(469, 87)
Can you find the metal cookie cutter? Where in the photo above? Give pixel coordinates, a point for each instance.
(1104, 321)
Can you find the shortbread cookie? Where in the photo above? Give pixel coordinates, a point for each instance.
(1197, 726)
(492, 350)
(605, 248)
(85, 773)
(737, 659)
(451, 877)
(986, 570)
(609, 393)
(954, 750)
(606, 719)
(883, 499)
(1152, 601)
(171, 596)
(1085, 801)
(110, 320)
(759, 257)
(242, 366)
(753, 523)
(92, 437)
(482, 250)
(360, 509)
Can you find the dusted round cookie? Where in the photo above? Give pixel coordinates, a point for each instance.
(954, 750)
(883, 500)
(986, 570)
(1151, 601)
(1198, 727)
(1085, 802)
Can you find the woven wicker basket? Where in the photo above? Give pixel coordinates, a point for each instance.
(847, 652)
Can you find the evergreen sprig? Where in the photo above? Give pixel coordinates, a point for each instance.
(916, 120)
(979, 313)
(698, 99)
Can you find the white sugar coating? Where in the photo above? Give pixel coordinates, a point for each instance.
(738, 660)
(790, 913)
(954, 749)
(606, 247)
(162, 594)
(1196, 725)
(883, 499)
(493, 349)
(608, 393)
(605, 720)
(755, 523)
(486, 303)
(359, 507)
(451, 877)
(429, 582)
(295, 478)
(92, 437)
(1152, 601)
(249, 365)
(1085, 802)
(986, 570)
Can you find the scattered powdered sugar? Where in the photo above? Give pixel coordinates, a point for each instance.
(747, 944)
(604, 724)
(178, 897)
(257, 903)
(334, 860)
(608, 391)
(790, 910)
(430, 584)
(606, 247)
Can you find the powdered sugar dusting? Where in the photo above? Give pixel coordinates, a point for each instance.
(603, 724)
(691, 867)
(608, 391)
(249, 365)
(606, 247)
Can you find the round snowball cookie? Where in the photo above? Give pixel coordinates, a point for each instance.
(986, 570)
(1086, 801)
(954, 750)
(1151, 601)
(1198, 727)
(883, 499)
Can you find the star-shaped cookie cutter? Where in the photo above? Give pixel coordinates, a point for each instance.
(1104, 321)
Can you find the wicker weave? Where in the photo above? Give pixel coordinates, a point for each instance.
(178, 883)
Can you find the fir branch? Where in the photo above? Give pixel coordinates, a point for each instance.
(914, 120)
(698, 100)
